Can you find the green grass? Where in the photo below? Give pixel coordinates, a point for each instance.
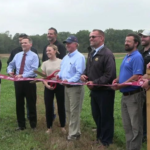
(37, 140)
(9, 139)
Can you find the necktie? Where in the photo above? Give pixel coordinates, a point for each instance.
(92, 53)
(22, 64)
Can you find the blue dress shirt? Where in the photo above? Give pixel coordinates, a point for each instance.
(31, 64)
(72, 67)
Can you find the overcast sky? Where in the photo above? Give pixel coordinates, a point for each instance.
(36, 16)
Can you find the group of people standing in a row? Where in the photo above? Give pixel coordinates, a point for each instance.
(100, 68)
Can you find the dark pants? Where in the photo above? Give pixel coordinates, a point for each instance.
(102, 103)
(24, 89)
(144, 118)
(49, 103)
(27, 111)
(26, 107)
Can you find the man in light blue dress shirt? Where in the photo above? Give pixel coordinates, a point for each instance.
(25, 88)
(72, 67)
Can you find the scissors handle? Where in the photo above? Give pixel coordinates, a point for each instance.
(53, 85)
(52, 76)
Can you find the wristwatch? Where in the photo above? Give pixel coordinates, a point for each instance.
(149, 82)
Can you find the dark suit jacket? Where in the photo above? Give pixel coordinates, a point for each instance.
(101, 69)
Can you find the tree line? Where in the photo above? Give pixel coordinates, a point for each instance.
(114, 39)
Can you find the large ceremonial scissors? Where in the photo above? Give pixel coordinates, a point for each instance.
(50, 77)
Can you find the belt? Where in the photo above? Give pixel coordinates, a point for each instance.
(133, 92)
(69, 86)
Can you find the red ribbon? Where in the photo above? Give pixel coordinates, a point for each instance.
(136, 83)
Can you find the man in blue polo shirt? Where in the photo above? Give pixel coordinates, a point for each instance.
(132, 101)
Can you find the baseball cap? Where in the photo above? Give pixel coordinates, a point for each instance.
(145, 33)
(71, 39)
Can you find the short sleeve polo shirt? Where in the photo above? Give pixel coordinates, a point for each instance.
(132, 64)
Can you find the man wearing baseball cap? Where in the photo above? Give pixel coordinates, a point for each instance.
(145, 52)
(72, 67)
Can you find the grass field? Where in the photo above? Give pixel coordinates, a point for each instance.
(38, 140)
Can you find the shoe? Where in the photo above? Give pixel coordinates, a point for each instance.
(49, 131)
(73, 138)
(20, 128)
(63, 130)
(78, 136)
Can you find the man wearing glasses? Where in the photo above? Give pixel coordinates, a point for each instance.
(101, 69)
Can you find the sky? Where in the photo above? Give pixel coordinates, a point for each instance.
(36, 16)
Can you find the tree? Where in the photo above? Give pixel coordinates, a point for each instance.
(83, 38)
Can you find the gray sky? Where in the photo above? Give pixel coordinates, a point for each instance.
(36, 16)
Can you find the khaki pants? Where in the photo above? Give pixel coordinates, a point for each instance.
(73, 105)
(132, 106)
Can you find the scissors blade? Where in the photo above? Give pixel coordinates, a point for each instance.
(40, 73)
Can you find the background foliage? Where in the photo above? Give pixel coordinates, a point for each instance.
(114, 40)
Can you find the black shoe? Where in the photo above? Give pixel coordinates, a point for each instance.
(20, 128)
(72, 138)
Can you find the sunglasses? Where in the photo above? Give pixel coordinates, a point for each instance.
(93, 37)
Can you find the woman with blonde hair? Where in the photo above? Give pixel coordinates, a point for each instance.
(48, 67)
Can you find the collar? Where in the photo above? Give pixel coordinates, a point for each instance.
(145, 51)
(99, 48)
(135, 51)
(27, 52)
(55, 42)
(73, 53)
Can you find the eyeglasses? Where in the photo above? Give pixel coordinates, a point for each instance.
(93, 37)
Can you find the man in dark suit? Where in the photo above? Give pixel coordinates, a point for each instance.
(101, 69)
(25, 63)
(17, 50)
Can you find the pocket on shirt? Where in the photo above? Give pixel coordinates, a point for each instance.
(72, 68)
